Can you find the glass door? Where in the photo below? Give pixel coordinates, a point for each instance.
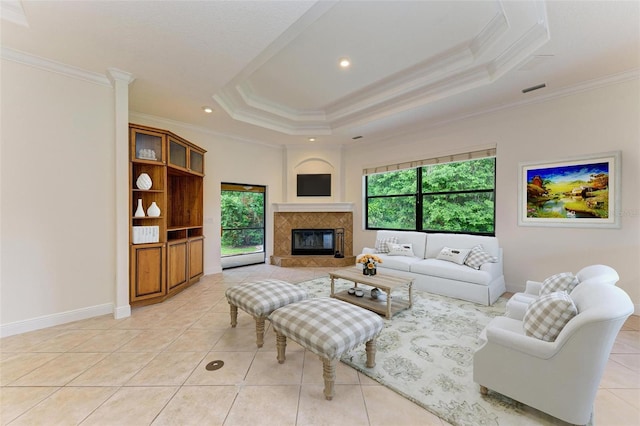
(243, 224)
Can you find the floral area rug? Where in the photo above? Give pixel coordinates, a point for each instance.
(426, 355)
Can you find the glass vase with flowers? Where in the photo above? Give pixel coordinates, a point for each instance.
(369, 263)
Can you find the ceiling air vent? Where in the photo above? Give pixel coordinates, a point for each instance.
(532, 88)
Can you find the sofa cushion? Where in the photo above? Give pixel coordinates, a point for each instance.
(399, 263)
(564, 281)
(453, 255)
(436, 242)
(382, 244)
(450, 270)
(478, 257)
(547, 315)
(405, 249)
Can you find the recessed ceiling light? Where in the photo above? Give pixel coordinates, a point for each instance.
(312, 139)
(344, 62)
(207, 109)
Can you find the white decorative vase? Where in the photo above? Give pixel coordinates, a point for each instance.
(139, 211)
(153, 210)
(144, 181)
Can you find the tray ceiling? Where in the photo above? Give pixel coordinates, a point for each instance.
(270, 69)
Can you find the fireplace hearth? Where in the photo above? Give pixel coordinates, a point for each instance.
(312, 242)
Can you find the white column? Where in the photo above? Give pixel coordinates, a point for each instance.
(120, 81)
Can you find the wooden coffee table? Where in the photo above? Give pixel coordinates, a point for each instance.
(384, 282)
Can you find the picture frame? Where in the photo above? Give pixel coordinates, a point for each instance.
(571, 192)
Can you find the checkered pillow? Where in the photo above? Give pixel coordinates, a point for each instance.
(564, 281)
(477, 257)
(382, 246)
(547, 315)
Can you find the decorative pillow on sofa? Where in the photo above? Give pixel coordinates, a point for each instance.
(404, 249)
(547, 315)
(382, 244)
(477, 257)
(564, 281)
(453, 255)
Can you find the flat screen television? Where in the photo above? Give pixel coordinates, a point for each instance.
(314, 185)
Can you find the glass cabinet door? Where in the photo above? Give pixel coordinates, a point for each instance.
(196, 161)
(177, 154)
(147, 146)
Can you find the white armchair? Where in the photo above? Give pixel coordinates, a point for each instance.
(517, 304)
(560, 378)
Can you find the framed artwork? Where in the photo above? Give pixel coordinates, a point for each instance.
(573, 192)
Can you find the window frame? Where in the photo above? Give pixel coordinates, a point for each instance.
(419, 196)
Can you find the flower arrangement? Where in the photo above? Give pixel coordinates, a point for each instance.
(369, 261)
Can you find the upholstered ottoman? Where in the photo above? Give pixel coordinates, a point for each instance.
(327, 327)
(259, 299)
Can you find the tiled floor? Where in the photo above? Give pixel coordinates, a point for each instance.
(150, 369)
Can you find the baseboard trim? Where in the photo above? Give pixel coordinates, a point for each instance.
(122, 312)
(38, 323)
(215, 270)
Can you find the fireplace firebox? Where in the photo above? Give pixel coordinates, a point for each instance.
(312, 242)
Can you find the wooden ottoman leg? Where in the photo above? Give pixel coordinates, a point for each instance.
(484, 390)
(259, 331)
(233, 311)
(370, 349)
(281, 345)
(329, 375)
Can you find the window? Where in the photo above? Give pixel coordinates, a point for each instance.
(457, 197)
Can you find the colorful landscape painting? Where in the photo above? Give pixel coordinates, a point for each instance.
(577, 191)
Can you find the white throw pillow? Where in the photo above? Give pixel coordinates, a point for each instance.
(547, 315)
(404, 249)
(564, 281)
(453, 255)
(382, 244)
(477, 257)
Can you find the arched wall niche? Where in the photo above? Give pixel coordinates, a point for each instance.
(313, 165)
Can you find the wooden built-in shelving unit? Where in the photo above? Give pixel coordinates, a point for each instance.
(174, 260)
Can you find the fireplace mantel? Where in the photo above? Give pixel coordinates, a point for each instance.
(312, 207)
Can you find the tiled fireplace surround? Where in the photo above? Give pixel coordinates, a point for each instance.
(288, 216)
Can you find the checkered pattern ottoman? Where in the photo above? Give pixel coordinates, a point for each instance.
(259, 299)
(327, 327)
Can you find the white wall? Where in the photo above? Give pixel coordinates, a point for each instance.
(57, 189)
(57, 195)
(228, 160)
(600, 120)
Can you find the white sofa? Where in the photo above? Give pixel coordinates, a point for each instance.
(482, 286)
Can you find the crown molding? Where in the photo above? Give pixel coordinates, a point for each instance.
(256, 102)
(133, 115)
(54, 66)
(12, 11)
(115, 74)
(629, 75)
(451, 72)
(232, 102)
